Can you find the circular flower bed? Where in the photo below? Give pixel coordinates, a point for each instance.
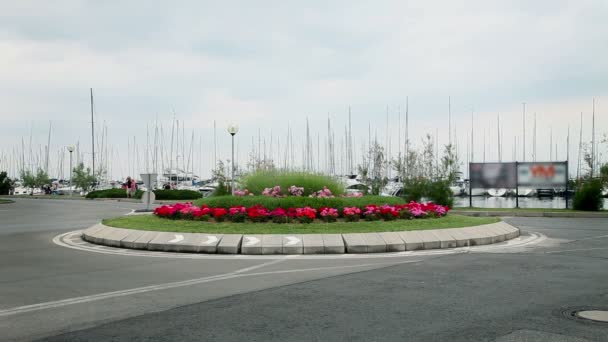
(258, 213)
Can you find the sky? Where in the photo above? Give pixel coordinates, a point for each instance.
(267, 65)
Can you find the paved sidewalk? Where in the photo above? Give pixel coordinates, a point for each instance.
(300, 243)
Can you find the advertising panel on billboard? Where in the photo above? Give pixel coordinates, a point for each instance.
(539, 175)
(493, 175)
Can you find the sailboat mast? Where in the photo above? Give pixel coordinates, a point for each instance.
(92, 133)
(524, 132)
(472, 145)
(580, 147)
(450, 120)
(593, 140)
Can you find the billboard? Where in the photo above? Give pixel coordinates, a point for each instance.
(539, 175)
(493, 175)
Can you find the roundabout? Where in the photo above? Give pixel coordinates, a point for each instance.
(269, 244)
(80, 290)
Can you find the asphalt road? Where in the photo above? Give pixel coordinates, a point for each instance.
(511, 292)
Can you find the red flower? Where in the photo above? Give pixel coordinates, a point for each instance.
(219, 212)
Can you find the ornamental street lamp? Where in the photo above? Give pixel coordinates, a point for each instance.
(232, 129)
(70, 149)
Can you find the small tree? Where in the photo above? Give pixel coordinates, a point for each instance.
(5, 183)
(589, 196)
(219, 175)
(83, 178)
(34, 181)
(604, 174)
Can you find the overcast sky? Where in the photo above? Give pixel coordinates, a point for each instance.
(267, 64)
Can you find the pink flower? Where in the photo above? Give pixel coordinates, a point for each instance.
(350, 211)
(296, 191)
(329, 212)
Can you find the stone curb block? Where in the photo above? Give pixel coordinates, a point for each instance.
(267, 244)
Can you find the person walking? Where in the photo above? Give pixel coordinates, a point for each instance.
(129, 185)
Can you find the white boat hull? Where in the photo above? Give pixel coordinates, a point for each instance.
(497, 192)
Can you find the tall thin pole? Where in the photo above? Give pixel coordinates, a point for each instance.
(534, 139)
(232, 177)
(71, 190)
(551, 143)
(450, 120)
(593, 139)
(472, 145)
(524, 140)
(580, 147)
(92, 134)
(407, 138)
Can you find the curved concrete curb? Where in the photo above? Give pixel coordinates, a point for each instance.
(302, 243)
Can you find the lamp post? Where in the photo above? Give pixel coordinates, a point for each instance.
(70, 149)
(232, 129)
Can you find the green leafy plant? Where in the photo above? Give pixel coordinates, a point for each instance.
(5, 183)
(311, 182)
(589, 196)
(83, 178)
(297, 202)
(34, 181)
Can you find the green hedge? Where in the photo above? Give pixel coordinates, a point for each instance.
(112, 193)
(177, 194)
(311, 182)
(589, 196)
(159, 194)
(297, 202)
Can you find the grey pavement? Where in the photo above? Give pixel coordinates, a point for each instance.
(494, 294)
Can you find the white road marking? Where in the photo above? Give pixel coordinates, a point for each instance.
(138, 290)
(291, 240)
(211, 239)
(522, 241)
(178, 238)
(251, 240)
(576, 250)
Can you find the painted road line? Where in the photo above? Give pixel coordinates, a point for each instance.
(513, 245)
(166, 286)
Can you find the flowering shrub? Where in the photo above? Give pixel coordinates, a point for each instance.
(296, 191)
(237, 214)
(279, 215)
(351, 214)
(353, 194)
(371, 213)
(389, 213)
(219, 214)
(272, 192)
(244, 192)
(259, 213)
(325, 193)
(306, 214)
(328, 214)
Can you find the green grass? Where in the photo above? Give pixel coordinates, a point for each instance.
(151, 222)
(295, 202)
(5, 201)
(311, 182)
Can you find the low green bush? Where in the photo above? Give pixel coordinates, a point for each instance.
(296, 202)
(177, 194)
(311, 182)
(112, 193)
(589, 196)
(159, 194)
(438, 192)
